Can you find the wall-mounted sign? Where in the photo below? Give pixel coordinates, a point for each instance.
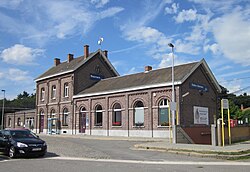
(198, 86)
(96, 77)
(201, 115)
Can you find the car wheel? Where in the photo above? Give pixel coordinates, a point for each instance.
(12, 152)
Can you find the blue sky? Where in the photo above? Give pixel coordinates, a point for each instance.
(136, 33)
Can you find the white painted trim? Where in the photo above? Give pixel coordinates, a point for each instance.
(127, 89)
(50, 76)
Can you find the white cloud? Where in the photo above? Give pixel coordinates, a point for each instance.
(12, 4)
(186, 15)
(37, 22)
(187, 47)
(1, 75)
(237, 73)
(131, 71)
(214, 48)
(20, 55)
(99, 3)
(18, 75)
(173, 9)
(232, 33)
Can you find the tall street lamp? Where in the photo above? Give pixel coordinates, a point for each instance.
(173, 103)
(3, 109)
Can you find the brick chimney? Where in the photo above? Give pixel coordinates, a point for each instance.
(148, 68)
(70, 57)
(86, 51)
(56, 61)
(105, 53)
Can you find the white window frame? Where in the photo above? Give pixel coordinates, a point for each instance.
(66, 89)
(42, 94)
(98, 111)
(65, 117)
(136, 110)
(114, 115)
(53, 92)
(162, 105)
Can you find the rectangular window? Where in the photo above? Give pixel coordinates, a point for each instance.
(98, 118)
(42, 94)
(117, 121)
(163, 117)
(53, 92)
(66, 90)
(139, 117)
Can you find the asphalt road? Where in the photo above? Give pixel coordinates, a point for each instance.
(108, 149)
(79, 154)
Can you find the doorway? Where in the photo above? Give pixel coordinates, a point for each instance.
(82, 122)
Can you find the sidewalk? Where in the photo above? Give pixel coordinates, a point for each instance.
(234, 151)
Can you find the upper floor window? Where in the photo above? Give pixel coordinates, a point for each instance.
(66, 90)
(53, 92)
(98, 115)
(65, 117)
(117, 115)
(163, 119)
(42, 94)
(139, 114)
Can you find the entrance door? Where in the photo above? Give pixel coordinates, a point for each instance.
(82, 122)
(41, 124)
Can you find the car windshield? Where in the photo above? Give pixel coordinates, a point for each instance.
(22, 134)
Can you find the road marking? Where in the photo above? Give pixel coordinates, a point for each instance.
(229, 163)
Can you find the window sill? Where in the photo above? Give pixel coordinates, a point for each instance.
(138, 126)
(116, 126)
(97, 126)
(159, 126)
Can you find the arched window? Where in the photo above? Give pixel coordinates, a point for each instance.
(53, 116)
(98, 115)
(18, 121)
(42, 94)
(163, 119)
(9, 122)
(117, 115)
(53, 92)
(65, 117)
(139, 114)
(66, 90)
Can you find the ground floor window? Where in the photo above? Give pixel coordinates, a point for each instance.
(98, 115)
(18, 121)
(9, 122)
(139, 114)
(65, 117)
(29, 123)
(117, 115)
(163, 113)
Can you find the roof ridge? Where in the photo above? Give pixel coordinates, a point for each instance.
(148, 71)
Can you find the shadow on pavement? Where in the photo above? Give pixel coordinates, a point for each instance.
(47, 155)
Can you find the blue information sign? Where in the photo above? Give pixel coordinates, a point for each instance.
(199, 87)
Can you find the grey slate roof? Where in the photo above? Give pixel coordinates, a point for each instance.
(65, 67)
(152, 77)
(62, 67)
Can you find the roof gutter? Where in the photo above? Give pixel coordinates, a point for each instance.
(126, 89)
(50, 76)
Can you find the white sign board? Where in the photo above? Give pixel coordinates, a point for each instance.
(201, 115)
(225, 103)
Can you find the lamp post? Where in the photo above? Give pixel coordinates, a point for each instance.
(3, 109)
(173, 103)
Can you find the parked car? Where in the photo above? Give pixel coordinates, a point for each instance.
(21, 142)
